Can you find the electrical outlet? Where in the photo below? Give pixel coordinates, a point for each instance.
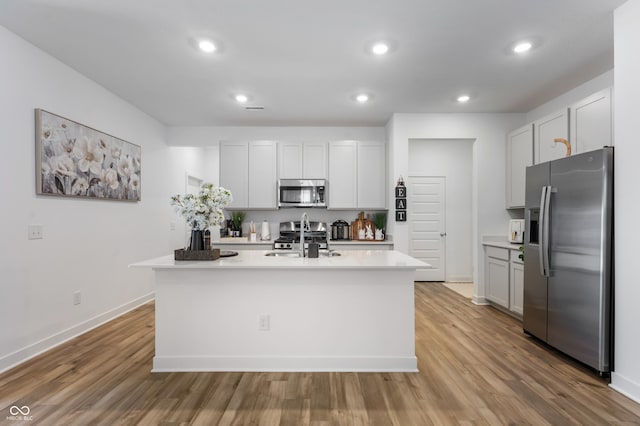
(77, 298)
(35, 232)
(264, 322)
(172, 226)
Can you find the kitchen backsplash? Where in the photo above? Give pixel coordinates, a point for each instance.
(274, 217)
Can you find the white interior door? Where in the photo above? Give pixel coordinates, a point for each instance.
(426, 215)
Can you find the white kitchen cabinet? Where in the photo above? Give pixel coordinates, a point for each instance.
(504, 277)
(357, 175)
(314, 160)
(343, 175)
(306, 160)
(497, 275)
(371, 175)
(234, 172)
(516, 283)
(519, 157)
(262, 175)
(545, 131)
(248, 170)
(289, 160)
(591, 122)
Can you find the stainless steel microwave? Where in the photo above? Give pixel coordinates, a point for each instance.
(302, 193)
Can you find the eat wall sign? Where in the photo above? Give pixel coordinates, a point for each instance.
(401, 201)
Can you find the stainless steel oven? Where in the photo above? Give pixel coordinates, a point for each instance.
(290, 235)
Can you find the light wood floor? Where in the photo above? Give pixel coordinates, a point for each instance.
(476, 367)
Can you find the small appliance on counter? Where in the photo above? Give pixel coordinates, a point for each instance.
(516, 231)
(340, 230)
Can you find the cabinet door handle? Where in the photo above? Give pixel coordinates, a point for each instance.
(443, 234)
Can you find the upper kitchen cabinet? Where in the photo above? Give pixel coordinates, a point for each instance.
(343, 175)
(371, 175)
(262, 175)
(234, 171)
(357, 175)
(591, 122)
(519, 157)
(545, 131)
(289, 160)
(306, 160)
(249, 170)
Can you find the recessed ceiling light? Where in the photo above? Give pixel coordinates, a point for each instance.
(362, 98)
(242, 98)
(463, 98)
(207, 46)
(380, 48)
(522, 47)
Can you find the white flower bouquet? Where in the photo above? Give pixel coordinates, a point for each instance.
(203, 210)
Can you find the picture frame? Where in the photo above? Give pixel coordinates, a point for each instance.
(74, 160)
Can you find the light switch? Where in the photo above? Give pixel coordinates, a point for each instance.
(35, 232)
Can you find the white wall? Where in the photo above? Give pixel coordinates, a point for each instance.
(626, 377)
(211, 136)
(452, 159)
(489, 216)
(87, 244)
(563, 101)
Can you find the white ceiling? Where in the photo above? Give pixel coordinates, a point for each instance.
(305, 60)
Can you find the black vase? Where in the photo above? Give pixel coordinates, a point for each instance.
(197, 240)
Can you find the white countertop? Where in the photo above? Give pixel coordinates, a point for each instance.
(501, 242)
(360, 242)
(256, 259)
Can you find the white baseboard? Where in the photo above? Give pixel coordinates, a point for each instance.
(21, 355)
(477, 300)
(287, 363)
(460, 279)
(625, 386)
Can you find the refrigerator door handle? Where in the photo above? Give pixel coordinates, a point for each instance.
(545, 231)
(543, 197)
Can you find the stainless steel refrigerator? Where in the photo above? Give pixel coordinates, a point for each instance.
(568, 268)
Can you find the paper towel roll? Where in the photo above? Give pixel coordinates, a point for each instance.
(265, 233)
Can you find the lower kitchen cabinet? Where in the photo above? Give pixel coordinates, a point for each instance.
(497, 275)
(516, 283)
(504, 278)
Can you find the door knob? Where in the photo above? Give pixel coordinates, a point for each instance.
(443, 234)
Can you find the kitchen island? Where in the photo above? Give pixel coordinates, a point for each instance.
(253, 312)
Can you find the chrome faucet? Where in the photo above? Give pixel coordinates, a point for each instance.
(304, 226)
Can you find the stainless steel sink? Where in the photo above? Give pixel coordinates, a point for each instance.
(283, 254)
(297, 254)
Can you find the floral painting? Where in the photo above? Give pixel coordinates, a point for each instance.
(78, 161)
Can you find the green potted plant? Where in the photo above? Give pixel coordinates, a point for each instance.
(236, 223)
(379, 221)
